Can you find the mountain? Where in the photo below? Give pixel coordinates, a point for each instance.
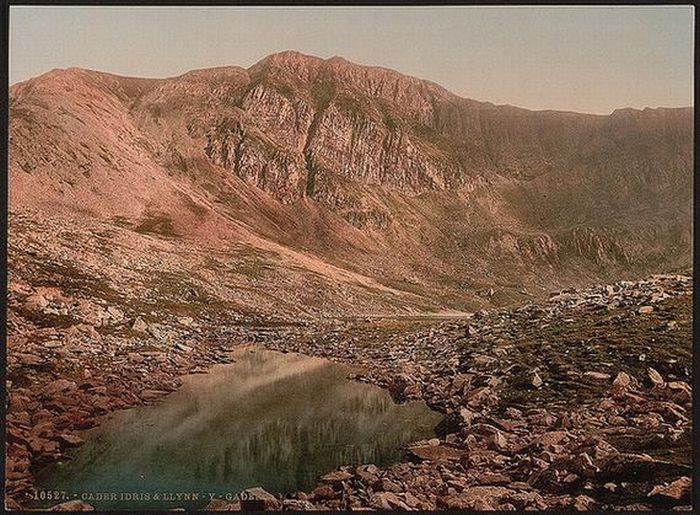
(341, 188)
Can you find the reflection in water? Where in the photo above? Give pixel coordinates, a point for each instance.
(271, 419)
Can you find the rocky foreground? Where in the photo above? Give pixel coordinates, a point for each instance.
(580, 402)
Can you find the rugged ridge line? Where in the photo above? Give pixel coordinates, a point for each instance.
(367, 169)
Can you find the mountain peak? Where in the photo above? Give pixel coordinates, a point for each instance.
(287, 58)
(345, 160)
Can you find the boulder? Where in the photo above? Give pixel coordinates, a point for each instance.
(258, 498)
(186, 321)
(69, 440)
(336, 476)
(139, 325)
(583, 503)
(536, 380)
(551, 438)
(368, 473)
(42, 446)
(622, 380)
(390, 486)
(36, 302)
(387, 501)
(115, 313)
(677, 490)
(73, 506)
(655, 377)
(433, 453)
(598, 376)
(297, 505)
(59, 386)
(183, 348)
(222, 505)
(479, 498)
(324, 492)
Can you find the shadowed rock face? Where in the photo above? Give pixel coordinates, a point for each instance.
(371, 170)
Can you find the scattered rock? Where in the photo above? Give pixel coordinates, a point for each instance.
(544, 449)
(387, 501)
(257, 498)
(139, 325)
(183, 348)
(72, 506)
(36, 302)
(297, 505)
(479, 498)
(433, 453)
(622, 380)
(222, 505)
(583, 503)
(598, 376)
(677, 490)
(69, 440)
(186, 321)
(655, 377)
(59, 386)
(536, 380)
(336, 477)
(115, 313)
(324, 492)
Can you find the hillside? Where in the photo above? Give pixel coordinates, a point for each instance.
(386, 192)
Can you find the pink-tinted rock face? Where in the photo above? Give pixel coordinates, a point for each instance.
(310, 151)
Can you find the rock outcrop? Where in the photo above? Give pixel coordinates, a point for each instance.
(365, 168)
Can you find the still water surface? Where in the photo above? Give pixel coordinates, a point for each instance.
(271, 419)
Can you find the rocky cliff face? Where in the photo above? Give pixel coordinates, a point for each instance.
(366, 168)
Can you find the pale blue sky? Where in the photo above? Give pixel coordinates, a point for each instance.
(586, 59)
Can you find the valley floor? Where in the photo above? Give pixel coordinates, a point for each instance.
(579, 402)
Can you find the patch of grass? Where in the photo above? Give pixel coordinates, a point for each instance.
(72, 280)
(379, 331)
(121, 221)
(160, 225)
(323, 92)
(595, 340)
(196, 209)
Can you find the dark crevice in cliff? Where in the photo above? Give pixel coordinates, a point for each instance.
(223, 155)
(323, 92)
(225, 145)
(310, 175)
(237, 151)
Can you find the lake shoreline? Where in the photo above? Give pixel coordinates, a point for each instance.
(232, 357)
(524, 429)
